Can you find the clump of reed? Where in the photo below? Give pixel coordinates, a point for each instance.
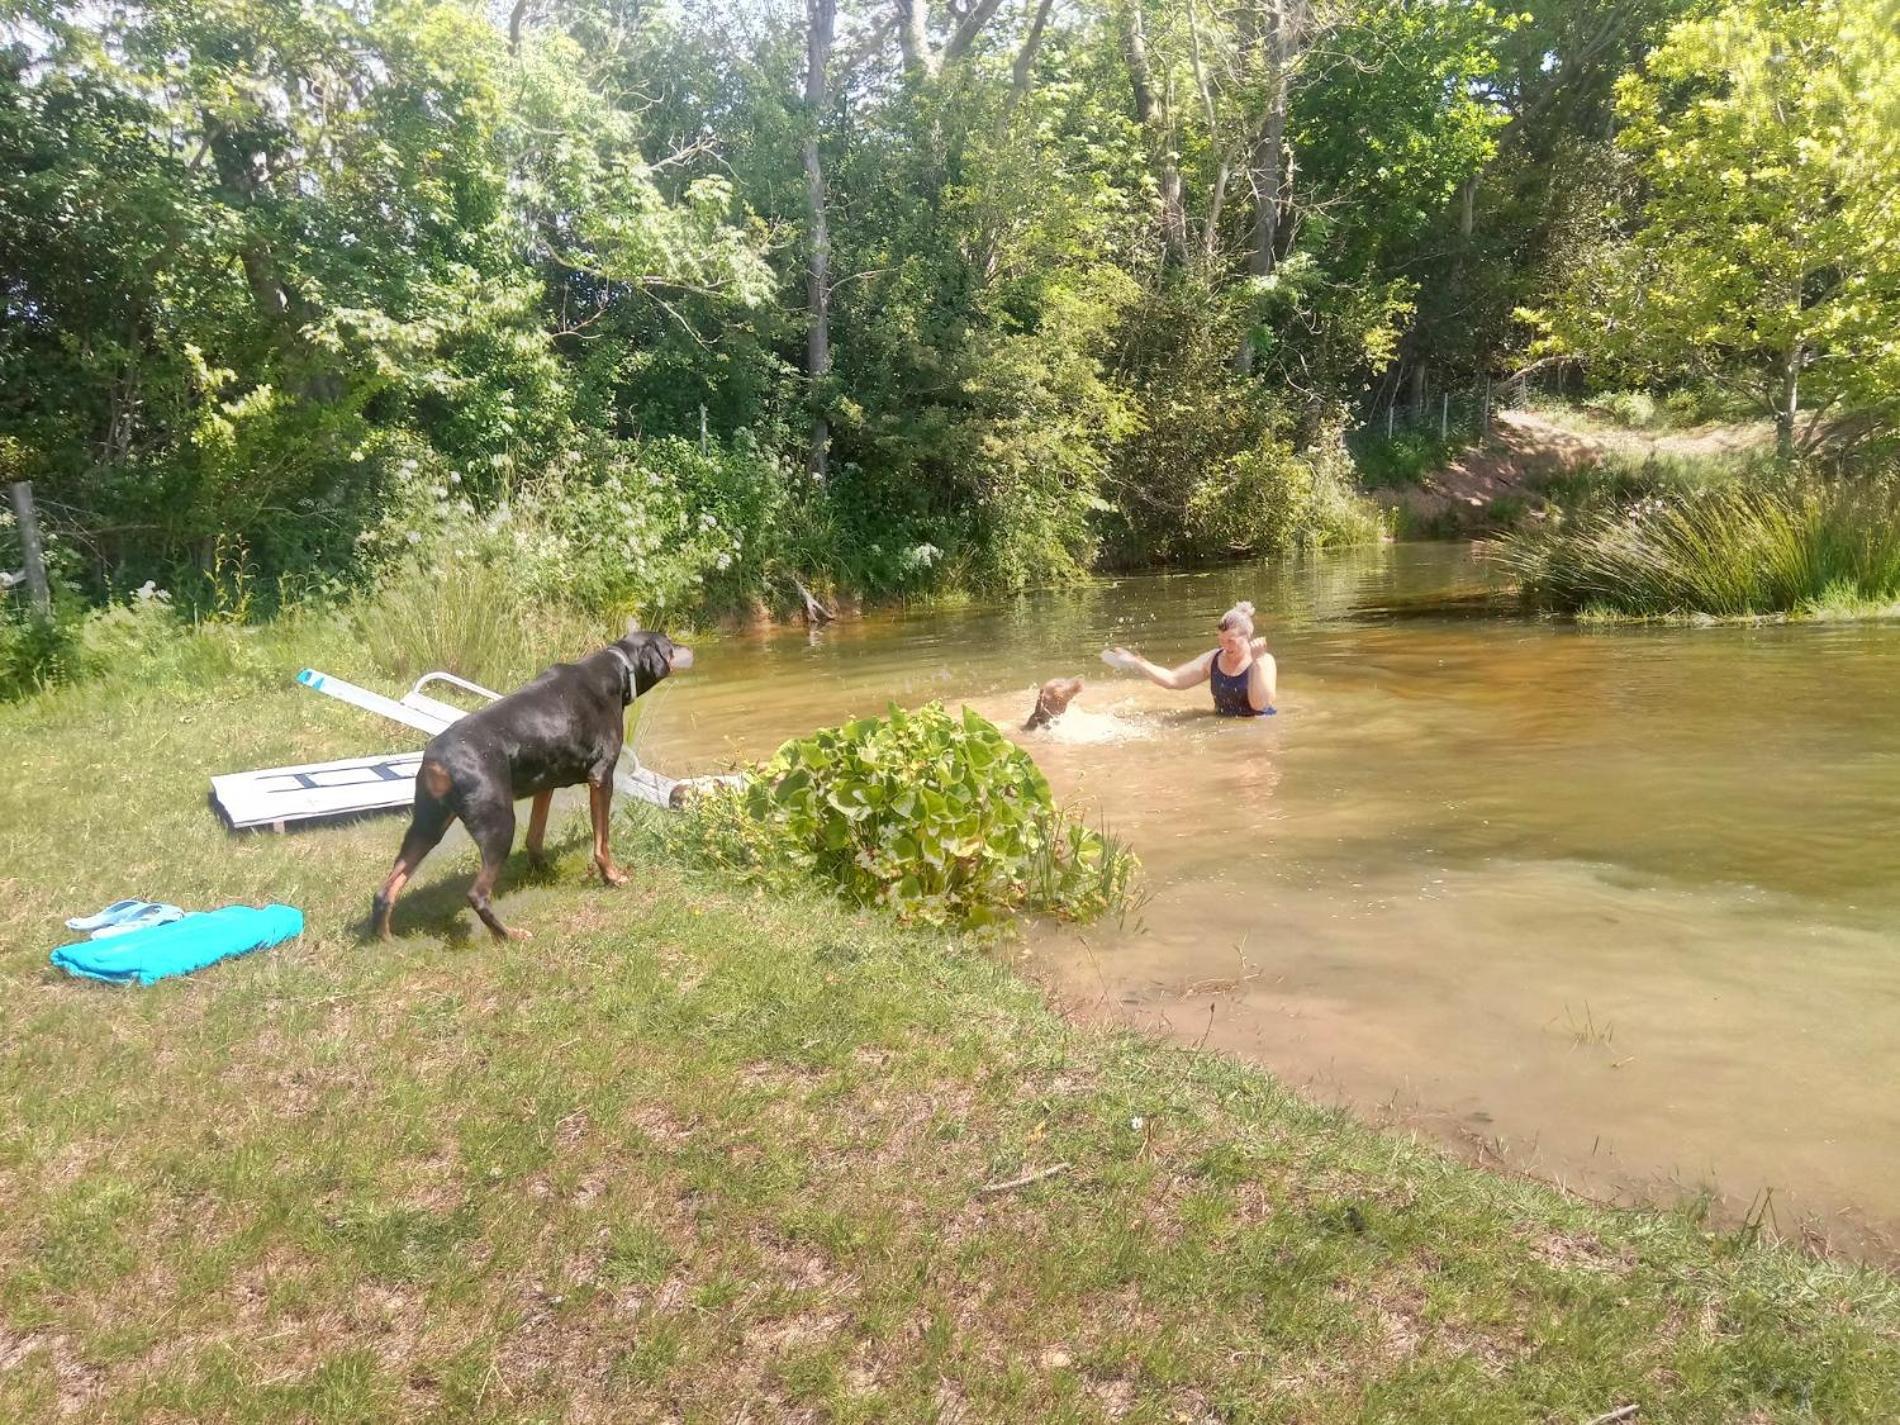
(1802, 546)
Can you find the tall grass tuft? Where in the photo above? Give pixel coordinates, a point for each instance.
(471, 617)
(1730, 551)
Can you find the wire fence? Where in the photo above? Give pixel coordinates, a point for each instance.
(1465, 414)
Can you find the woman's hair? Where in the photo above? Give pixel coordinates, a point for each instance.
(1240, 616)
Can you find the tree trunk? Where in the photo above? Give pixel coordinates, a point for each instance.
(1210, 235)
(1787, 404)
(1025, 62)
(1276, 45)
(965, 33)
(913, 36)
(1152, 114)
(822, 17)
(242, 169)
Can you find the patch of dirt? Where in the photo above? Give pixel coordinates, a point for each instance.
(78, 1381)
(1525, 447)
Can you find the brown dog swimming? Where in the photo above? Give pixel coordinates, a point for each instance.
(1052, 701)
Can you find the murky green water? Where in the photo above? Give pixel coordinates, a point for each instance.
(1618, 907)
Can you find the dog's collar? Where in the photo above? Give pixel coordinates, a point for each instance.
(626, 693)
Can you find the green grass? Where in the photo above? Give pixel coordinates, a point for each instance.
(1622, 478)
(1728, 551)
(1653, 412)
(697, 1155)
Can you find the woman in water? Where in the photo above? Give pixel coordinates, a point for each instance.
(1241, 670)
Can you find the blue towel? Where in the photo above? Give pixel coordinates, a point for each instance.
(200, 939)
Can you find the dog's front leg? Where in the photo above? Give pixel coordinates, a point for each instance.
(600, 797)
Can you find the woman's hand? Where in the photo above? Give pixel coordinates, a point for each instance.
(1257, 647)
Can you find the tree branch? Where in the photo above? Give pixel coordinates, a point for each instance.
(965, 34)
(1025, 60)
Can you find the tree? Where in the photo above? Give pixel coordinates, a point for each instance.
(821, 17)
(1766, 251)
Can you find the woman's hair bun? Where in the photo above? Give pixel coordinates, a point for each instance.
(1244, 607)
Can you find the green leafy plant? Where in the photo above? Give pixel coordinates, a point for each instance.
(938, 818)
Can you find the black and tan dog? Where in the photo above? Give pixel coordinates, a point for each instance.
(1052, 701)
(563, 728)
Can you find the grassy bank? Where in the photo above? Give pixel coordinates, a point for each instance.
(693, 1154)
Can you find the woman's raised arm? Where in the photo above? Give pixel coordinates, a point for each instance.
(1186, 676)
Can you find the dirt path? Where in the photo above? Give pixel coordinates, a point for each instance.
(1526, 446)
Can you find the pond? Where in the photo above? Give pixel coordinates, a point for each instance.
(1618, 907)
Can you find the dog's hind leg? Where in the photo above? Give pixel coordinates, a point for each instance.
(538, 825)
(600, 798)
(492, 828)
(432, 819)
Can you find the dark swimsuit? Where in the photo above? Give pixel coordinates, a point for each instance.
(1230, 691)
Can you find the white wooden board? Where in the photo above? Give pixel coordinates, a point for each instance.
(286, 794)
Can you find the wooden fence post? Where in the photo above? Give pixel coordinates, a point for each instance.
(30, 542)
(1444, 414)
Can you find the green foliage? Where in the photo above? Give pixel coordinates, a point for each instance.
(1218, 465)
(1767, 250)
(469, 615)
(37, 652)
(1734, 550)
(1623, 479)
(939, 819)
(259, 253)
(276, 274)
(1269, 499)
(1407, 456)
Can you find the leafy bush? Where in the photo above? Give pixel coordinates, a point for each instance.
(1403, 459)
(35, 652)
(1217, 464)
(142, 640)
(1637, 410)
(940, 819)
(1729, 551)
(1269, 499)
